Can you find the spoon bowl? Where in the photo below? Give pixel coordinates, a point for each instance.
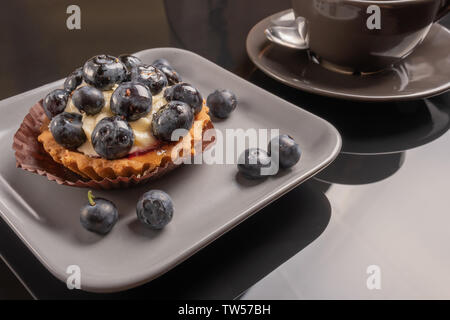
(291, 34)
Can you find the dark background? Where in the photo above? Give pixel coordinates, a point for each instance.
(37, 48)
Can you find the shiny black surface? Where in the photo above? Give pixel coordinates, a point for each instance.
(38, 48)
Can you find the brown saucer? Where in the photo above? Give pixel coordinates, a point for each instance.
(424, 73)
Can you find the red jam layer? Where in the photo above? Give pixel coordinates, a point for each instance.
(142, 152)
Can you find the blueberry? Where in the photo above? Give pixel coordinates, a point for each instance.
(88, 99)
(174, 115)
(67, 130)
(172, 76)
(161, 62)
(155, 209)
(252, 161)
(112, 138)
(55, 102)
(74, 79)
(221, 103)
(152, 77)
(288, 151)
(133, 100)
(130, 63)
(99, 215)
(186, 93)
(104, 71)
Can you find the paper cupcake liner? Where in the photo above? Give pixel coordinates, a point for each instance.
(31, 156)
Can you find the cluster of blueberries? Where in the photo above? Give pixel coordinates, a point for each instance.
(154, 208)
(252, 160)
(113, 137)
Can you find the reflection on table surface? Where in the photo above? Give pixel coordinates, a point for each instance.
(383, 202)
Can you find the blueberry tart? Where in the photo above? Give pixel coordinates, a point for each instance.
(113, 120)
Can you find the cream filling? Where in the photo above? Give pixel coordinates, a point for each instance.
(143, 137)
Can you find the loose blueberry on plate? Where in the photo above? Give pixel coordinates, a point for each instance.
(175, 115)
(88, 99)
(172, 76)
(155, 209)
(73, 80)
(130, 62)
(99, 215)
(289, 152)
(252, 161)
(149, 75)
(104, 71)
(55, 102)
(186, 93)
(112, 138)
(67, 130)
(221, 103)
(161, 62)
(132, 100)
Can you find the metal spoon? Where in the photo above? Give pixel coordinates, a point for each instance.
(292, 34)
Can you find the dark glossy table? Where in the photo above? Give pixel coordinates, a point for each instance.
(383, 202)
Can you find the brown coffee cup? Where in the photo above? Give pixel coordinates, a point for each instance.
(344, 35)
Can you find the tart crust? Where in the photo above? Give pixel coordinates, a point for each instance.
(137, 165)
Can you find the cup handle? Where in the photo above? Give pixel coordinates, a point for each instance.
(445, 8)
